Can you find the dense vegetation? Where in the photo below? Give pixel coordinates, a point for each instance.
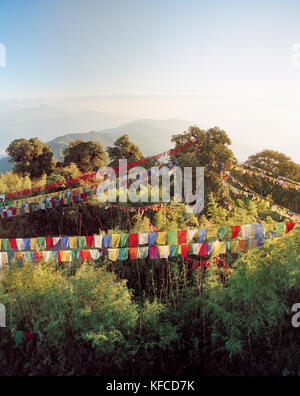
(153, 317)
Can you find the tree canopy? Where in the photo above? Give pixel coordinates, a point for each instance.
(123, 148)
(277, 163)
(210, 147)
(210, 150)
(88, 156)
(31, 157)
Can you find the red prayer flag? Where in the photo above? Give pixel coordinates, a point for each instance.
(59, 256)
(13, 244)
(89, 241)
(182, 236)
(235, 230)
(185, 250)
(49, 243)
(28, 335)
(133, 239)
(244, 246)
(133, 253)
(203, 251)
(289, 226)
(85, 255)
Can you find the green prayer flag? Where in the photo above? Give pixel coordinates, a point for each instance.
(123, 240)
(19, 336)
(123, 253)
(172, 238)
(82, 242)
(222, 232)
(5, 244)
(174, 251)
(280, 228)
(42, 243)
(233, 246)
(74, 254)
(143, 252)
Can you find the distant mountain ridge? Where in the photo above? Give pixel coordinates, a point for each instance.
(46, 122)
(152, 136)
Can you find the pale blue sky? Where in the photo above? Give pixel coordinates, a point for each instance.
(234, 55)
(79, 47)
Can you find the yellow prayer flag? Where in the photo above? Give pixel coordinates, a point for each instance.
(219, 248)
(34, 244)
(73, 242)
(115, 240)
(212, 234)
(161, 238)
(113, 254)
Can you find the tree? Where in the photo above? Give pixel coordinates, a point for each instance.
(63, 173)
(209, 147)
(31, 157)
(88, 156)
(209, 150)
(279, 165)
(123, 148)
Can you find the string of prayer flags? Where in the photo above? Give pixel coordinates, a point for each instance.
(21, 336)
(282, 181)
(91, 176)
(46, 202)
(217, 248)
(178, 237)
(250, 193)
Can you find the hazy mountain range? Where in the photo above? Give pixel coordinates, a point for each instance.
(61, 120)
(47, 122)
(152, 136)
